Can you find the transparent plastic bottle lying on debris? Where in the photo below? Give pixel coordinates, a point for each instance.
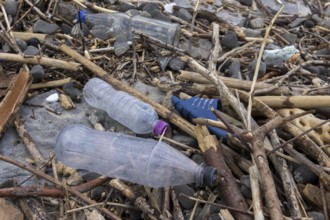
(137, 160)
(131, 112)
(120, 23)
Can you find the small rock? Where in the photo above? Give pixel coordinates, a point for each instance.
(185, 139)
(317, 18)
(158, 15)
(7, 184)
(252, 67)
(125, 6)
(44, 27)
(230, 40)
(134, 214)
(290, 37)
(295, 23)
(66, 29)
(309, 23)
(246, 186)
(37, 72)
(184, 14)
(168, 8)
(176, 64)
(312, 69)
(67, 10)
(246, 2)
(33, 42)
(10, 7)
(98, 31)
(235, 69)
(53, 98)
(302, 174)
(6, 48)
(97, 192)
(163, 61)
(31, 51)
(132, 12)
(145, 14)
(198, 158)
(185, 203)
(74, 93)
(322, 71)
(323, 51)
(256, 23)
(149, 6)
(90, 176)
(214, 216)
(251, 32)
(121, 46)
(21, 44)
(111, 2)
(316, 215)
(327, 11)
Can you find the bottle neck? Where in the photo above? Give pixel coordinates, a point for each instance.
(205, 175)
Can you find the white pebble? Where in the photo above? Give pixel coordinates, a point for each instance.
(52, 98)
(169, 7)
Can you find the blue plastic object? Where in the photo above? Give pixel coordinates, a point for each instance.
(196, 107)
(81, 16)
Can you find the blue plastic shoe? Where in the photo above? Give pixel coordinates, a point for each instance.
(200, 108)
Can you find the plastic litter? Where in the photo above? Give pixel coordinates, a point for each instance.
(136, 115)
(279, 56)
(137, 160)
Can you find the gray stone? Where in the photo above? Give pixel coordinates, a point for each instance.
(214, 216)
(151, 92)
(197, 158)
(125, 6)
(185, 139)
(37, 72)
(309, 23)
(296, 22)
(74, 93)
(31, 51)
(246, 186)
(316, 215)
(11, 7)
(302, 174)
(256, 23)
(99, 32)
(246, 2)
(21, 44)
(111, 2)
(33, 42)
(185, 203)
(67, 10)
(199, 50)
(121, 47)
(44, 27)
(149, 6)
(184, 14)
(252, 67)
(163, 61)
(132, 12)
(230, 40)
(290, 37)
(6, 48)
(176, 64)
(66, 29)
(234, 70)
(251, 32)
(327, 11)
(158, 15)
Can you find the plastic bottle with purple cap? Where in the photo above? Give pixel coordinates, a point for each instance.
(131, 112)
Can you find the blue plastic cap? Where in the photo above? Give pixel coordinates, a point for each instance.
(196, 107)
(81, 17)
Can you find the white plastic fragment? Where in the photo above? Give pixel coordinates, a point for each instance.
(279, 54)
(52, 98)
(169, 7)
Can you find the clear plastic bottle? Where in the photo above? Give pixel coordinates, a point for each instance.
(130, 158)
(117, 22)
(131, 112)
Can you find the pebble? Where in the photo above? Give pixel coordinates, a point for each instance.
(197, 158)
(246, 2)
(11, 7)
(309, 23)
(97, 192)
(252, 67)
(149, 6)
(6, 48)
(111, 2)
(31, 51)
(176, 64)
(37, 72)
(44, 27)
(312, 69)
(33, 42)
(295, 23)
(158, 15)
(230, 40)
(256, 23)
(327, 11)
(184, 14)
(134, 214)
(322, 71)
(21, 44)
(163, 61)
(290, 37)
(316, 215)
(99, 32)
(185, 139)
(132, 12)
(246, 186)
(53, 98)
(251, 32)
(67, 10)
(125, 6)
(74, 93)
(7, 184)
(90, 176)
(185, 203)
(214, 216)
(66, 29)
(121, 46)
(302, 174)
(235, 69)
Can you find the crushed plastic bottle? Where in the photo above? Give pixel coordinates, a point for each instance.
(119, 24)
(277, 56)
(137, 160)
(136, 115)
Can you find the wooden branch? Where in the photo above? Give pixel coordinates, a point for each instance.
(27, 36)
(51, 84)
(256, 195)
(39, 160)
(161, 110)
(313, 194)
(295, 101)
(13, 99)
(41, 60)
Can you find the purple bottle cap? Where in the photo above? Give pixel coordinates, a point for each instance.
(160, 127)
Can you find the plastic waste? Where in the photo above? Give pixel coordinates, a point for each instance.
(279, 56)
(199, 108)
(136, 115)
(121, 24)
(130, 158)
